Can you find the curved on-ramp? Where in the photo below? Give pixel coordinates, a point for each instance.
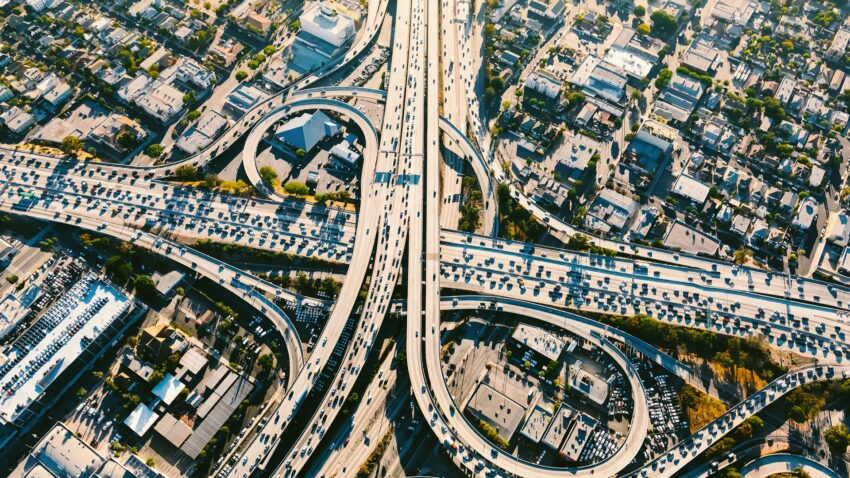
(450, 426)
(490, 222)
(786, 463)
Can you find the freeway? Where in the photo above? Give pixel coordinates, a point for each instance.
(260, 447)
(474, 254)
(738, 277)
(597, 287)
(395, 173)
(292, 226)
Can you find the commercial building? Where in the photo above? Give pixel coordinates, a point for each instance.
(202, 133)
(588, 384)
(325, 30)
(48, 357)
(535, 345)
(679, 99)
(345, 151)
(500, 412)
(691, 188)
(610, 210)
(306, 130)
(242, 99)
(141, 419)
(61, 453)
(167, 283)
(537, 423)
(161, 101)
(600, 79)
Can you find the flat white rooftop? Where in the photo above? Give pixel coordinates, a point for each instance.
(63, 332)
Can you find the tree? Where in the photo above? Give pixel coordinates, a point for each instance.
(186, 172)
(663, 79)
(639, 10)
(266, 362)
(663, 24)
(145, 286)
(71, 144)
(742, 255)
(193, 115)
(296, 188)
(127, 140)
(12, 278)
(82, 392)
(241, 75)
(838, 438)
(295, 25)
(300, 153)
(643, 29)
(154, 150)
(269, 176)
(190, 98)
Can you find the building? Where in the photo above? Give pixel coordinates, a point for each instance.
(39, 5)
(535, 346)
(839, 46)
(588, 384)
(224, 52)
(161, 101)
(806, 214)
(243, 98)
(701, 57)
(168, 389)
(49, 356)
(345, 151)
(537, 423)
(140, 420)
(578, 436)
(600, 79)
(574, 157)
(541, 92)
(679, 99)
(683, 237)
(113, 127)
(691, 188)
(159, 341)
(325, 30)
(610, 211)
(133, 88)
(550, 192)
(649, 151)
(166, 284)
(306, 130)
(61, 453)
(191, 73)
(218, 394)
(17, 120)
(257, 23)
(202, 133)
(494, 408)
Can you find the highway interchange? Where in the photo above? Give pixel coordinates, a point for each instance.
(400, 212)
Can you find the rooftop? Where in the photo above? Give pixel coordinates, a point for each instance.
(539, 340)
(54, 342)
